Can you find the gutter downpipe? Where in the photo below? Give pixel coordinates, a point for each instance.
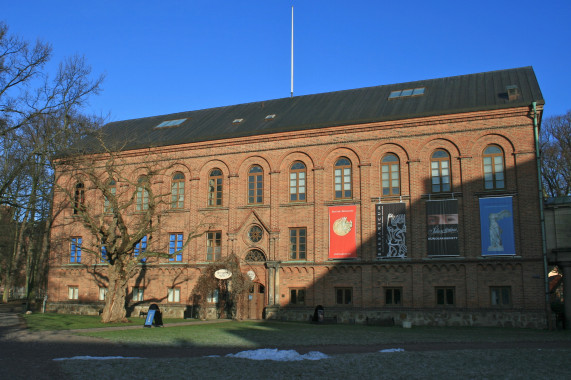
(541, 215)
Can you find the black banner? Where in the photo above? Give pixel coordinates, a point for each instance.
(442, 227)
(391, 230)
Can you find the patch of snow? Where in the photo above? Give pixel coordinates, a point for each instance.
(94, 358)
(278, 355)
(393, 350)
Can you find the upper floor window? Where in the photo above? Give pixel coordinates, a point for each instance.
(215, 188)
(177, 190)
(297, 176)
(142, 193)
(75, 248)
(493, 168)
(390, 174)
(213, 245)
(175, 247)
(112, 188)
(140, 247)
(79, 198)
(440, 171)
(343, 178)
(256, 185)
(297, 243)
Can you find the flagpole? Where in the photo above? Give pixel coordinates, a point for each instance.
(292, 51)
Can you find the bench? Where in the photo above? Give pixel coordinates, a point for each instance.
(143, 313)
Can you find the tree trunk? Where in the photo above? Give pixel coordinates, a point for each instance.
(114, 310)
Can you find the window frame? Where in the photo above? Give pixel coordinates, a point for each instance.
(112, 188)
(73, 292)
(75, 249)
(297, 296)
(493, 165)
(78, 198)
(142, 195)
(295, 250)
(103, 290)
(390, 173)
(138, 294)
(215, 188)
(140, 247)
(177, 191)
(298, 182)
(343, 295)
(394, 300)
(213, 245)
(343, 179)
(255, 185)
(446, 292)
(498, 300)
(173, 295)
(175, 246)
(440, 169)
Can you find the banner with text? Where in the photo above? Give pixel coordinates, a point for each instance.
(342, 237)
(497, 226)
(391, 230)
(442, 227)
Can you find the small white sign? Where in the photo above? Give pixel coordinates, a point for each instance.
(222, 274)
(251, 274)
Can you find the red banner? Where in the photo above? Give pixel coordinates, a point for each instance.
(342, 237)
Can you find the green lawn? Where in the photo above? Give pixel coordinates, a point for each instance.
(48, 321)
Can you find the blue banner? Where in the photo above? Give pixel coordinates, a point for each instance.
(497, 226)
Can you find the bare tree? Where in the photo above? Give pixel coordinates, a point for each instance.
(40, 114)
(556, 155)
(117, 206)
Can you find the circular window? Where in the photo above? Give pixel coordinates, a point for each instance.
(255, 234)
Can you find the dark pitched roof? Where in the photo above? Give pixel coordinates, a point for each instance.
(465, 93)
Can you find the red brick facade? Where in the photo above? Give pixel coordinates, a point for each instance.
(369, 281)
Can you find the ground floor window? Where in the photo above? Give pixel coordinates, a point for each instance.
(501, 296)
(72, 292)
(102, 293)
(173, 295)
(343, 296)
(213, 296)
(445, 296)
(138, 294)
(297, 296)
(393, 296)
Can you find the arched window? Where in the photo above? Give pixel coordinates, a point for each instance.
(493, 160)
(440, 171)
(177, 190)
(112, 188)
(79, 198)
(297, 175)
(256, 185)
(343, 178)
(390, 174)
(215, 188)
(142, 200)
(255, 255)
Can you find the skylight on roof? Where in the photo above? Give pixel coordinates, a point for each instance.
(407, 93)
(237, 121)
(171, 123)
(271, 116)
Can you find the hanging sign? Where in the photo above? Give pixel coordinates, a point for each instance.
(342, 236)
(222, 274)
(497, 226)
(442, 227)
(391, 230)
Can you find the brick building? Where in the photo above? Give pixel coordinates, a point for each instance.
(414, 201)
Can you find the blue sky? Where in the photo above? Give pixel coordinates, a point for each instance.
(172, 56)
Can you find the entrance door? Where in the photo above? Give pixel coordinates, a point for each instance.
(256, 301)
